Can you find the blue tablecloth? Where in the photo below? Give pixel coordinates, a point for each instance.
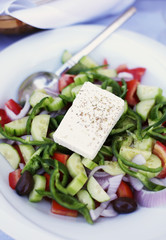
(149, 20)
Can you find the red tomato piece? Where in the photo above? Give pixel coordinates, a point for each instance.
(65, 80)
(14, 177)
(19, 152)
(124, 190)
(131, 95)
(47, 176)
(56, 208)
(136, 72)
(3, 117)
(160, 151)
(61, 157)
(13, 106)
(105, 62)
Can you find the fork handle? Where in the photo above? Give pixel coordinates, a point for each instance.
(96, 41)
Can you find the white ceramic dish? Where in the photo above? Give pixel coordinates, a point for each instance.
(42, 51)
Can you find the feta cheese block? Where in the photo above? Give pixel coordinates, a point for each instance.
(89, 120)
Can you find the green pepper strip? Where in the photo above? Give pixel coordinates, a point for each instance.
(123, 88)
(101, 161)
(160, 129)
(26, 141)
(146, 182)
(67, 200)
(122, 130)
(157, 136)
(138, 122)
(131, 164)
(154, 113)
(156, 124)
(108, 82)
(34, 163)
(106, 150)
(53, 125)
(66, 99)
(61, 167)
(35, 110)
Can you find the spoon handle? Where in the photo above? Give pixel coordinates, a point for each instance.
(96, 41)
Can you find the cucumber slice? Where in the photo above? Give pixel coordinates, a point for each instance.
(143, 108)
(10, 154)
(66, 56)
(67, 90)
(81, 79)
(145, 144)
(76, 90)
(88, 62)
(125, 107)
(88, 163)
(84, 197)
(37, 96)
(74, 165)
(129, 153)
(39, 184)
(111, 73)
(152, 162)
(55, 105)
(39, 127)
(148, 92)
(77, 183)
(27, 151)
(96, 191)
(113, 168)
(151, 122)
(17, 127)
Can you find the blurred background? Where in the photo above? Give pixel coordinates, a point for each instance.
(150, 20)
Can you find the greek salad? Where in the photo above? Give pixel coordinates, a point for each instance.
(128, 171)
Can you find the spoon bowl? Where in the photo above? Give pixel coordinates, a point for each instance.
(38, 80)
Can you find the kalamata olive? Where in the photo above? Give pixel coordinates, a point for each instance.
(124, 205)
(25, 184)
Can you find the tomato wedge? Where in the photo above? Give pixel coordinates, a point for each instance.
(19, 152)
(13, 106)
(14, 177)
(3, 117)
(124, 190)
(65, 80)
(56, 208)
(160, 151)
(47, 176)
(61, 157)
(131, 96)
(136, 72)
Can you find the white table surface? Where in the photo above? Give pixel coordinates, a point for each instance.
(149, 21)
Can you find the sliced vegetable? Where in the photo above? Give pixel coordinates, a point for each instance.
(56, 208)
(14, 177)
(65, 80)
(131, 96)
(10, 154)
(124, 190)
(13, 106)
(61, 157)
(160, 151)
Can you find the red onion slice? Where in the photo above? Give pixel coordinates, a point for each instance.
(114, 183)
(95, 172)
(22, 113)
(96, 213)
(136, 183)
(151, 199)
(109, 212)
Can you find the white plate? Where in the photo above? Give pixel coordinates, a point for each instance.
(42, 51)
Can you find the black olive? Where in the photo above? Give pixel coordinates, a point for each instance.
(124, 205)
(25, 184)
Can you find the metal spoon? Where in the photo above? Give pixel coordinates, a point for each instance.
(47, 80)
